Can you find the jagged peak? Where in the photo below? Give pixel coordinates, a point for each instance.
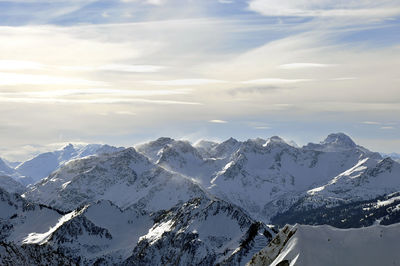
(230, 141)
(339, 139)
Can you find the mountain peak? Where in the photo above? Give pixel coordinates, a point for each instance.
(274, 140)
(69, 146)
(339, 139)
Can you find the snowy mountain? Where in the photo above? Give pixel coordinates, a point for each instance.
(5, 169)
(170, 202)
(44, 164)
(102, 233)
(19, 218)
(393, 155)
(263, 176)
(126, 178)
(382, 210)
(10, 185)
(27, 255)
(267, 178)
(324, 245)
(366, 180)
(201, 232)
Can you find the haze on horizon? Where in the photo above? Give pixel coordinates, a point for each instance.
(126, 71)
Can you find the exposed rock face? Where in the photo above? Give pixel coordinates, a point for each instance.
(201, 232)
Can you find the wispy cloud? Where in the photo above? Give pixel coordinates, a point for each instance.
(114, 67)
(93, 101)
(371, 123)
(275, 81)
(304, 65)
(218, 121)
(20, 65)
(96, 91)
(326, 8)
(183, 82)
(343, 78)
(30, 79)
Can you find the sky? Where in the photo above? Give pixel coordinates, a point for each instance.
(124, 72)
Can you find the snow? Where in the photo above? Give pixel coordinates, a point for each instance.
(41, 238)
(326, 245)
(156, 232)
(10, 185)
(368, 179)
(125, 190)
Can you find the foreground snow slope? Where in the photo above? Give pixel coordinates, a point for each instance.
(304, 245)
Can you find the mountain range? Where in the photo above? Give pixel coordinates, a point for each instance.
(173, 202)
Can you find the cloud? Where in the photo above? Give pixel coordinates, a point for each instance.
(218, 121)
(183, 82)
(95, 91)
(262, 127)
(92, 101)
(387, 128)
(343, 78)
(273, 81)
(20, 65)
(326, 8)
(115, 67)
(253, 89)
(304, 65)
(29, 79)
(151, 2)
(93, 96)
(131, 68)
(371, 123)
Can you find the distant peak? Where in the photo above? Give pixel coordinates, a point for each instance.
(274, 140)
(339, 139)
(68, 147)
(162, 141)
(230, 141)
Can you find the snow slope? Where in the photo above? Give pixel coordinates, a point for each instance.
(325, 245)
(368, 179)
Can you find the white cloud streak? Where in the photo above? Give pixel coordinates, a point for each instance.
(30, 79)
(93, 101)
(326, 8)
(183, 82)
(218, 121)
(304, 65)
(274, 81)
